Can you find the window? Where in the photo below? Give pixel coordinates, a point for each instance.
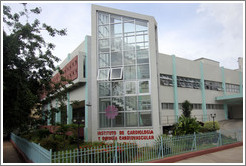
(116, 59)
(129, 57)
(185, 82)
(132, 119)
(232, 88)
(103, 74)
(104, 60)
(130, 88)
(116, 30)
(118, 102)
(131, 103)
(167, 106)
(130, 73)
(214, 106)
(117, 88)
(103, 31)
(143, 86)
(103, 104)
(103, 18)
(104, 122)
(166, 80)
(145, 119)
(104, 89)
(212, 85)
(143, 71)
(141, 26)
(123, 44)
(142, 56)
(129, 28)
(116, 74)
(103, 45)
(119, 120)
(115, 19)
(144, 102)
(197, 106)
(116, 44)
(129, 42)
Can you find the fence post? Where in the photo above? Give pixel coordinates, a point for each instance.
(220, 140)
(50, 155)
(115, 155)
(161, 147)
(194, 141)
(239, 135)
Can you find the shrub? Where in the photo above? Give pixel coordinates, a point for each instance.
(36, 135)
(72, 139)
(186, 126)
(49, 143)
(54, 142)
(208, 126)
(42, 133)
(187, 108)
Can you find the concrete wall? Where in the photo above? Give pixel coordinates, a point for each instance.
(192, 69)
(188, 68)
(77, 94)
(208, 61)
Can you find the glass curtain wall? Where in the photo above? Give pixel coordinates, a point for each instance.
(123, 71)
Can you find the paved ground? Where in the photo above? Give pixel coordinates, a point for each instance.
(233, 155)
(231, 124)
(10, 155)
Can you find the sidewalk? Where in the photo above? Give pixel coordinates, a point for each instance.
(10, 155)
(233, 155)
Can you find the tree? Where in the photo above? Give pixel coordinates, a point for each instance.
(28, 64)
(186, 124)
(187, 108)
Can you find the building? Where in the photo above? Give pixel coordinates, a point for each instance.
(126, 90)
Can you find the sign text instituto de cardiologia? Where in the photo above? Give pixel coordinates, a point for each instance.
(125, 135)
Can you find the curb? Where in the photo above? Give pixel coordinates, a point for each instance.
(176, 158)
(21, 153)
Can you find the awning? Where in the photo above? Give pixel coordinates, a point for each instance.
(235, 99)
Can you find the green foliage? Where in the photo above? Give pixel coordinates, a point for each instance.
(54, 142)
(36, 135)
(42, 133)
(28, 65)
(208, 126)
(186, 126)
(187, 108)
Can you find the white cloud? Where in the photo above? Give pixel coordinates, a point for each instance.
(217, 33)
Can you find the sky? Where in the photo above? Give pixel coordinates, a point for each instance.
(188, 30)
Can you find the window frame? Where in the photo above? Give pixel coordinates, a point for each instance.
(98, 75)
(121, 73)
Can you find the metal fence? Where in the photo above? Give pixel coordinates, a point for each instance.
(33, 151)
(164, 146)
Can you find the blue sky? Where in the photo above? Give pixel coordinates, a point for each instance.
(187, 30)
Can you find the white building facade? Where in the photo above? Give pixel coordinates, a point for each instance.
(130, 92)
